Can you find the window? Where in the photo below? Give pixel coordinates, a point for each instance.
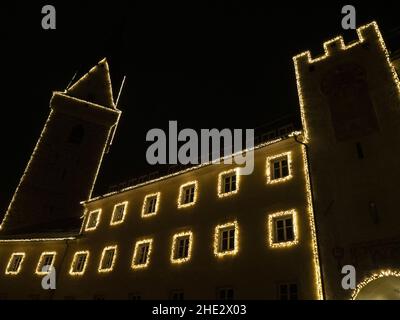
(141, 255)
(150, 205)
(76, 135)
(108, 259)
(228, 183)
(181, 247)
(135, 296)
(226, 241)
(79, 263)
(283, 229)
(119, 211)
(46, 259)
(177, 295)
(15, 263)
(187, 195)
(287, 291)
(279, 168)
(93, 220)
(225, 293)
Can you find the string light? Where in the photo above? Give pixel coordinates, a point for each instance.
(181, 196)
(148, 197)
(272, 230)
(41, 262)
(77, 254)
(139, 244)
(89, 227)
(175, 240)
(115, 222)
(11, 272)
(217, 234)
(37, 239)
(269, 168)
(114, 249)
(221, 182)
(365, 282)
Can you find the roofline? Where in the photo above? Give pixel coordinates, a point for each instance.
(221, 159)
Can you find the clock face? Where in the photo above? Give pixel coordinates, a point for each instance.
(345, 88)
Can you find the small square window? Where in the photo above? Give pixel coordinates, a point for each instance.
(150, 205)
(228, 183)
(46, 259)
(226, 240)
(15, 263)
(177, 295)
(288, 291)
(225, 293)
(93, 220)
(119, 212)
(279, 168)
(135, 296)
(283, 229)
(79, 263)
(141, 255)
(187, 195)
(181, 247)
(108, 259)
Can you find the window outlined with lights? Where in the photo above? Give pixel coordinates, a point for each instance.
(108, 258)
(282, 229)
(228, 183)
(119, 212)
(181, 250)
(151, 205)
(142, 254)
(226, 239)
(79, 263)
(93, 220)
(47, 258)
(279, 168)
(14, 264)
(187, 194)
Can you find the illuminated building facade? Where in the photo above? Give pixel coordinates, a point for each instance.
(312, 204)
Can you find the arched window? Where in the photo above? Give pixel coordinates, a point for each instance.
(76, 135)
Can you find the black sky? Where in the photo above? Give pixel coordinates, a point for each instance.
(206, 65)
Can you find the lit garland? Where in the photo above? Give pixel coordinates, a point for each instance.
(175, 239)
(115, 251)
(221, 176)
(269, 168)
(11, 272)
(114, 223)
(181, 195)
(272, 230)
(148, 197)
(89, 219)
(41, 261)
(74, 260)
(380, 274)
(138, 244)
(37, 239)
(338, 40)
(217, 252)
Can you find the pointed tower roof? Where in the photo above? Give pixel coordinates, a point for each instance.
(94, 86)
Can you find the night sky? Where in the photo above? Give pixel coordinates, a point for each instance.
(208, 65)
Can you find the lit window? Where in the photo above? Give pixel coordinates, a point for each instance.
(79, 263)
(283, 229)
(181, 247)
(15, 263)
(119, 212)
(177, 295)
(279, 168)
(93, 220)
(141, 255)
(187, 195)
(287, 291)
(225, 294)
(150, 205)
(46, 259)
(228, 183)
(108, 259)
(226, 241)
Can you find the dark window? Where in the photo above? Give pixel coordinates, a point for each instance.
(284, 229)
(177, 295)
(76, 135)
(288, 291)
(226, 294)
